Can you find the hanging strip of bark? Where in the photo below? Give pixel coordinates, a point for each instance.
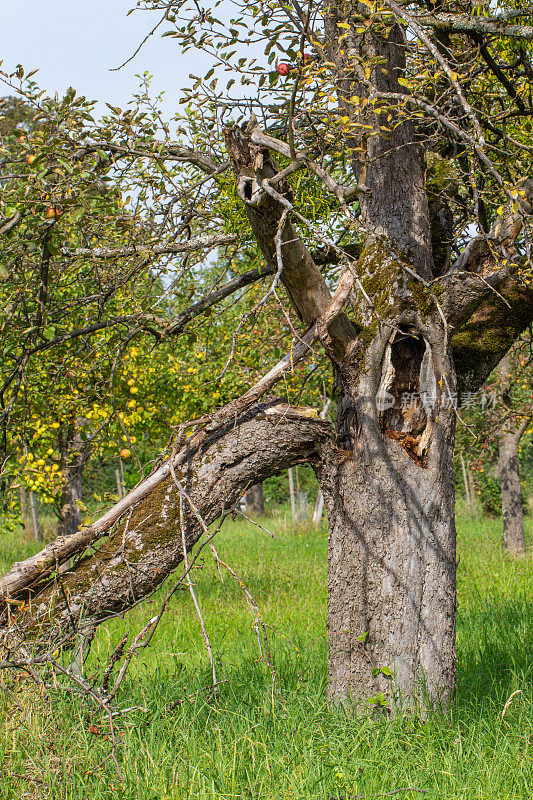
(35, 518)
(147, 546)
(292, 495)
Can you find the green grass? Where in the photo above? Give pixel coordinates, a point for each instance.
(260, 743)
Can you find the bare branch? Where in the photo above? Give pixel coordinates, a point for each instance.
(492, 26)
(152, 250)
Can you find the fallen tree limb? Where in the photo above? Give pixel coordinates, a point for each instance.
(147, 546)
(23, 574)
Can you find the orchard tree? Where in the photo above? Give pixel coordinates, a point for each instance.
(79, 371)
(379, 164)
(511, 430)
(495, 423)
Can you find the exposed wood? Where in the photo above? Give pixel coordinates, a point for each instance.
(299, 274)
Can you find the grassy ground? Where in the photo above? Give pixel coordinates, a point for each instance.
(266, 744)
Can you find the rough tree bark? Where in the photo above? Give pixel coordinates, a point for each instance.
(391, 555)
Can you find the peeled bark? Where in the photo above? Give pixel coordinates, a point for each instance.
(147, 545)
(512, 511)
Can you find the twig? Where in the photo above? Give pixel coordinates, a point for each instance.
(148, 35)
(102, 702)
(258, 622)
(205, 634)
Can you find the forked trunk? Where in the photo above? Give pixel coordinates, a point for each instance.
(391, 555)
(512, 512)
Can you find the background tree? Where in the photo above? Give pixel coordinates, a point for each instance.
(494, 423)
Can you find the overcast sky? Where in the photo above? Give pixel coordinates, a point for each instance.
(76, 42)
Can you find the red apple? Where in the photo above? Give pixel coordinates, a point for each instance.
(283, 68)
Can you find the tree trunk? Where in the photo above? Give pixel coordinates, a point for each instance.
(512, 511)
(391, 553)
(120, 487)
(301, 506)
(35, 518)
(509, 469)
(255, 500)
(23, 506)
(71, 448)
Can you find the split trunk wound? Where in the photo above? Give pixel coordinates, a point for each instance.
(407, 381)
